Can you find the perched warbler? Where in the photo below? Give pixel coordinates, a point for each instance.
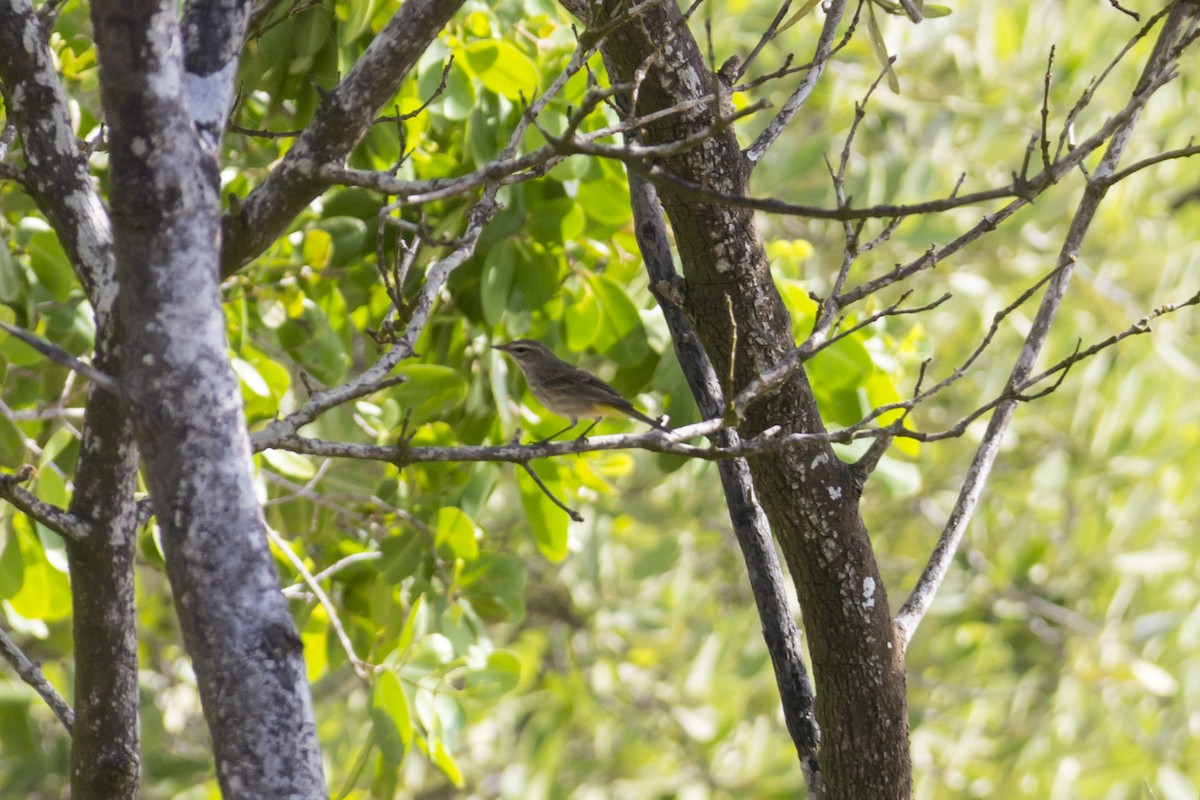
(567, 390)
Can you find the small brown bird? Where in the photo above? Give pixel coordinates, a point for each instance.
(567, 390)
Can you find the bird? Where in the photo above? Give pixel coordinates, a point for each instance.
(567, 390)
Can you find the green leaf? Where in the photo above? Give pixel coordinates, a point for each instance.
(12, 282)
(408, 631)
(881, 52)
(12, 567)
(357, 16)
(55, 445)
(318, 246)
(51, 265)
(312, 341)
(251, 381)
(52, 488)
(430, 391)
(293, 465)
(583, 323)
(846, 364)
(621, 316)
(45, 592)
(548, 521)
(501, 675)
(495, 585)
(456, 531)
(402, 556)
(17, 352)
(808, 6)
(12, 444)
(498, 268)
(606, 199)
(444, 762)
(349, 237)
(390, 714)
(502, 68)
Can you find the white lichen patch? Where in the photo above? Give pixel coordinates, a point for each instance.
(209, 95)
(835, 492)
(868, 592)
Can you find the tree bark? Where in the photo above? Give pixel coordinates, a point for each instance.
(105, 746)
(188, 414)
(810, 497)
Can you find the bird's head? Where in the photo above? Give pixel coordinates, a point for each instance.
(527, 351)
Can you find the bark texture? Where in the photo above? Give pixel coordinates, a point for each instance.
(810, 497)
(188, 415)
(105, 746)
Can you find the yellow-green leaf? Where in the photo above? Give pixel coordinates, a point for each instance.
(502, 68)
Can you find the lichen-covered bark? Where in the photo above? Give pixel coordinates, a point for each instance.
(188, 416)
(105, 747)
(810, 497)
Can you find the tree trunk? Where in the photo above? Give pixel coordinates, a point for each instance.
(188, 415)
(810, 497)
(105, 752)
(105, 747)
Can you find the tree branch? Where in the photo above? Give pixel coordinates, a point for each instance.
(65, 524)
(361, 668)
(1158, 69)
(344, 115)
(750, 524)
(56, 174)
(833, 18)
(61, 356)
(31, 673)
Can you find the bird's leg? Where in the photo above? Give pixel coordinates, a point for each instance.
(588, 430)
(574, 422)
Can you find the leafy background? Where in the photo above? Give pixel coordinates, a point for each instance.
(529, 657)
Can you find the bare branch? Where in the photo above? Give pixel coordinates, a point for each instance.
(343, 117)
(376, 376)
(53, 517)
(1044, 139)
(60, 356)
(1137, 328)
(1158, 158)
(31, 673)
(56, 173)
(833, 18)
(1157, 71)
(361, 668)
(750, 525)
(572, 513)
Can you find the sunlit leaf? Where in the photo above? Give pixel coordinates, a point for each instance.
(502, 68)
(389, 712)
(548, 521)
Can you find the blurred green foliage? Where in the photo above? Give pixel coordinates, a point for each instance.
(525, 656)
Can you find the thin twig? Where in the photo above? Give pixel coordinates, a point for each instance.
(361, 668)
(31, 673)
(833, 18)
(572, 513)
(60, 356)
(1157, 71)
